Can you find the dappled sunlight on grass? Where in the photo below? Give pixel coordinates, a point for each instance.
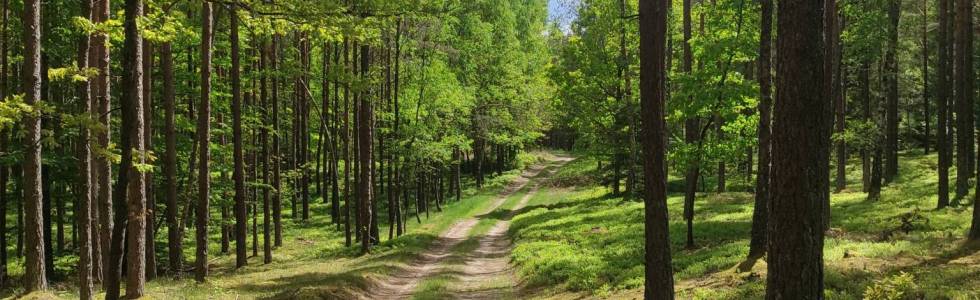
(585, 240)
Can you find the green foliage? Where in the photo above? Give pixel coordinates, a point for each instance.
(898, 287)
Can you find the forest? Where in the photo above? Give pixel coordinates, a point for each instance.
(489, 149)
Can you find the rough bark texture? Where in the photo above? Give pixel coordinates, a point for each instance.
(365, 147)
(174, 243)
(942, 105)
(891, 107)
(35, 278)
(83, 211)
(241, 215)
(136, 201)
(965, 86)
(800, 154)
(204, 138)
(102, 166)
(963, 73)
(659, 278)
(760, 213)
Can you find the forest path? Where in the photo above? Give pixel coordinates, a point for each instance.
(480, 273)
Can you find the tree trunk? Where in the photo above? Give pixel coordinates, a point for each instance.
(653, 42)
(925, 77)
(136, 201)
(864, 82)
(346, 148)
(204, 138)
(83, 211)
(148, 189)
(965, 90)
(840, 101)
(891, 69)
(276, 159)
(266, 213)
(103, 167)
(174, 242)
(365, 147)
(800, 151)
(831, 65)
(34, 269)
(760, 213)
(692, 133)
(942, 100)
(241, 215)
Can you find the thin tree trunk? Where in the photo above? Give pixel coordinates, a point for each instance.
(203, 138)
(653, 42)
(925, 77)
(760, 212)
(266, 216)
(103, 167)
(831, 65)
(942, 100)
(276, 159)
(170, 159)
(84, 218)
(692, 128)
(241, 214)
(965, 88)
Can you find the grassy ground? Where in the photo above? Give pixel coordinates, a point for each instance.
(312, 262)
(582, 242)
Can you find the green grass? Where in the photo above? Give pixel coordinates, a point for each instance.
(313, 261)
(575, 240)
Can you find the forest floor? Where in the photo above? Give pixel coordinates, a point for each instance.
(550, 232)
(576, 240)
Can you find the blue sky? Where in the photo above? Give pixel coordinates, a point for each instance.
(562, 11)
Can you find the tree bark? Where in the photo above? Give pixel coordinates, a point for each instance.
(103, 167)
(891, 117)
(241, 215)
(365, 147)
(174, 242)
(266, 213)
(760, 213)
(204, 138)
(83, 211)
(34, 266)
(965, 89)
(276, 159)
(943, 137)
(800, 155)
(692, 133)
(136, 201)
(653, 42)
(831, 65)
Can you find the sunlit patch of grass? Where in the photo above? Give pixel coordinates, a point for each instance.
(587, 240)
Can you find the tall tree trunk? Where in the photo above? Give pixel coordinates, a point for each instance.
(864, 83)
(800, 151)
(925, 78)
(942, 100)
(965, 88)
(831, 65)
(365, 147)
(174, 240)
(346, 148)
(760, 213)
(35, 278)
(653, 43)
(891, 117)
(103, 167)
(276, 159)
(840, 101)
(136, 202)
(148, 189)
(204, 138)
(241, 215)
(4, 170)
(83, 211)
(266, 213)
(692, 133)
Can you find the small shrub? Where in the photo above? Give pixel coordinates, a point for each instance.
(898, 287)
